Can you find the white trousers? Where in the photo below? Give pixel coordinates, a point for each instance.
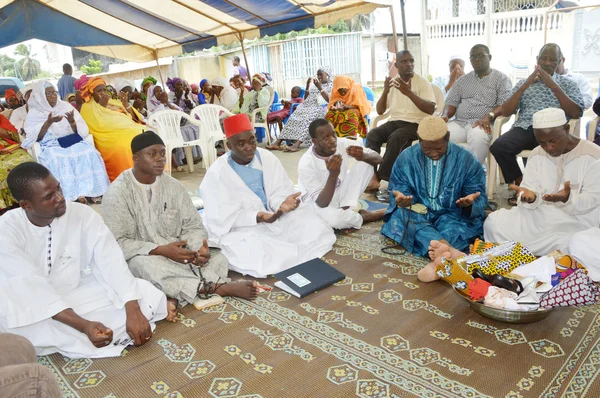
(347, 195)
(477, 139)
(584, 247)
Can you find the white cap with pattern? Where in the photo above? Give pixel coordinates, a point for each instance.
(548, 118)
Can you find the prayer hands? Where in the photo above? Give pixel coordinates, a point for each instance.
(485, 123)
(546, 78)
(203, 254)
(468, 200)
(387, 84)
(53, 119)
(70, 116)
(355, 151)
(99, 335)
(318, 84)
(457, 72)
(532, 78)
(267, 217)
(175, 251)
(401, 200)
(104, 99)
(334, 165)
(290, 203)
(137, 326)
(526, 195)
(560, 196)
(164, 97)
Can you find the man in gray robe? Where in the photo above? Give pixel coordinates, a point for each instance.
(161, 233)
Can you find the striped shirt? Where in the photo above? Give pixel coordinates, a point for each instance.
(539, 96)
(473, 97)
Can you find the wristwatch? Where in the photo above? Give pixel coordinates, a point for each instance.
(492, 116)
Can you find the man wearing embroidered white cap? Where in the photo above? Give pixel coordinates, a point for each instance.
(457, 69)
(560, 191)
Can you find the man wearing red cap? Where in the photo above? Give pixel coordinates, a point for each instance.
(251, 211)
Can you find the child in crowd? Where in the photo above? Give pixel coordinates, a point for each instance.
(279, 116)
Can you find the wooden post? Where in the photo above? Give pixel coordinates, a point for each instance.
(394, 29)
(241, 37)
(373, 65)
(162, 81)
(404, 25)
(424, 38)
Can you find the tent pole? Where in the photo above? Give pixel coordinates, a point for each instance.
(394, 29)
(404, 25)
(373, 74)
(162, 81)
(245, 58)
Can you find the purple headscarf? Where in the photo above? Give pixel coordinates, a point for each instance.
(171, 83)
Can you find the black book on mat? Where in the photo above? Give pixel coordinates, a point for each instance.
(308, 277)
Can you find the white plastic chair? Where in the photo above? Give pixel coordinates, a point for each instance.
(210, 129)
(167, 124)
(264, 123)
(36, 149)
(493, 165)
(592, 127)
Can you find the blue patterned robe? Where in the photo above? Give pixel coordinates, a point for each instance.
(461, 176)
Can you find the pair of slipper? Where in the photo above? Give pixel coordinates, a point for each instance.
(497, 280)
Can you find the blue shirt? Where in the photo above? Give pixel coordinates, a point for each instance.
(252, 175)
(539, 96)
(66, 86)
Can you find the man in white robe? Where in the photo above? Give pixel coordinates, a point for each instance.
(583, 246)
(64, 284)
(160, 231)
(251, 211)
(326, 180)
(560, 192)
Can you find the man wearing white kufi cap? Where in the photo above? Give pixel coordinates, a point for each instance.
(445, 185)
(560, 191)
(457, 69)
(17, 117)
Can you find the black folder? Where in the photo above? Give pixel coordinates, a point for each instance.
(308, 277)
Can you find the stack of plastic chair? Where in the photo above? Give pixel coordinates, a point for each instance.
(210, 116)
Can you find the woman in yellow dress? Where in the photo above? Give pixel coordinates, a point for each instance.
(112, 123)
(11, 155)
(348, 106)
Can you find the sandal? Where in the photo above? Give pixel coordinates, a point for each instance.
(512, 285)
(95, 201)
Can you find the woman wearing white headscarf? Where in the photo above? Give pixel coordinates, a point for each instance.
(157, 100)
(225, 95)
(61, 130)
(317, 95)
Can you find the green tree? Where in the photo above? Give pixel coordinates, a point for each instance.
(27, 66)
(7, 66)
(92, 68)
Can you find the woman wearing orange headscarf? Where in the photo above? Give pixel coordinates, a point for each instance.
(112, 123)
(348, 106)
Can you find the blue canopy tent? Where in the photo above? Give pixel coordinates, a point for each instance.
(145, 30)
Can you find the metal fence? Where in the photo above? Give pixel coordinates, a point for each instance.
(445, 9)
(303, 56)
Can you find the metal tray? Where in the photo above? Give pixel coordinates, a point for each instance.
(507, 316)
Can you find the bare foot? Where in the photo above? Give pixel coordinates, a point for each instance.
(427, 274)
(370, 216)
(438, 249)
(82, 200)
(172, 310)
(290, 149)
(247, 290)
(373, 184)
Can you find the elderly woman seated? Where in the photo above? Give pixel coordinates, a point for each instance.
(60, 131)
(259, 97)
(112, 123)
(348, 106)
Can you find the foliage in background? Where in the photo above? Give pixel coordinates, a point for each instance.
(92, 68)
(27, 67)
(7, 66)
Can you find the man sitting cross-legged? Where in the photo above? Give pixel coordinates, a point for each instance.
(325, 180)
(251, 211)
(560, 192)
(161, 232)
(445, 185)
(64, 284)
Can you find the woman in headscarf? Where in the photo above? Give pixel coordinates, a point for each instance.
(61, 130)
(259, 97)
(205, 95)
(113, 125)
(348, 106)
(12, 102)
(224, 94)
(316, 96)
(146, 83)
(17, 118)
(11, 155)
(158, 100)
(195, 91)
(179, 95)
(127, 94)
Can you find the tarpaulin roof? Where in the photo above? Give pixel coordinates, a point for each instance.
(143, 30)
